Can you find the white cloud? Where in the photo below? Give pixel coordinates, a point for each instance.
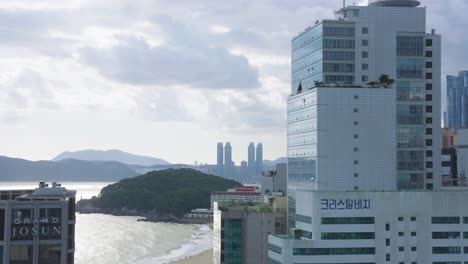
(126, 69)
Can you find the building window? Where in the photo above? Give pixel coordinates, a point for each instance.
(428, 108)
(428, 54)
(347, 236)
(365, 42)
(429, 86)
(446, 250)
(429, 186)
(401, 234)
(365, 78)
(347, 220)
(429, 97)
(387, 227)
(356, 175)
(356, 110)
(428, 42)
(365, 30)
(356, 123)
(356, 149)
(428, 120)
(401, 218)
(365, 54)
(413, 248)
(332, 251)
(356, 97)
(401, 249)
(356, 188)
(387, 241)
(356, 136)
(413, 218)
(413, 234)
(356, 162)
(387, 257)
(428, 65)
(365, 66)
(428, 75)
(429, 175)
(429, 132)
(446, 235)
(445, 220)
(428, 142)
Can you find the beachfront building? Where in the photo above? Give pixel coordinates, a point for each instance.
(240, 232)
(240, 194)
(37, 226)
(364, 156)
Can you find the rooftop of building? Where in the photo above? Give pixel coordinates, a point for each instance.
(249, 207)
(43, 193)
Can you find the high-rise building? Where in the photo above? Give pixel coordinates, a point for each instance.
(457, 101)
(244, 170)
(251, 160)
(364, 155)
(228, 163)
(37, 226)
(220, 160)
(259, 160)
(364, 42)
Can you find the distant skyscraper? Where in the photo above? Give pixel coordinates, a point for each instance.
(259, 160)
(244, 170)
(457, 101)
(251, 160)
(220, 158)
(228, 164)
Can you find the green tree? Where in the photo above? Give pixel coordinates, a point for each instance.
(385, 80)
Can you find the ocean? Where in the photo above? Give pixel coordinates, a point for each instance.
(107, 239)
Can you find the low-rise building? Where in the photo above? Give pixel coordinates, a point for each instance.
(241, 231)
(275, 181)
(199, 214)
(37, 226)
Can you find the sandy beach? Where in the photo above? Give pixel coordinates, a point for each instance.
(205, 257)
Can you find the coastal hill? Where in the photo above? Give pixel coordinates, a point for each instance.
(110, 155)
(164, 195)
(13, 169)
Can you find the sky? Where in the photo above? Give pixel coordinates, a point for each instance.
(163, 78)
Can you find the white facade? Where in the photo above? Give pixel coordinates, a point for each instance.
(344, 131)
(351, 149)
(395, 227)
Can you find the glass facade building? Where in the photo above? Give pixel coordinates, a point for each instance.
(457, 101)
(411, 90)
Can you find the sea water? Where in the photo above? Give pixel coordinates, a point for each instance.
(107, 239)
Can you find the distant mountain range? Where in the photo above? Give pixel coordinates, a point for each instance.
(110, 155)
(94, 165)
(12, 169)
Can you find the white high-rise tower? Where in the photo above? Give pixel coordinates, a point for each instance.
(363, 152)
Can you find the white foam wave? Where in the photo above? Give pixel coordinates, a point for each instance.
(200, 241)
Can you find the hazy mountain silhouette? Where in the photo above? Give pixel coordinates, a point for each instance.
(110, 155)
(13, 169)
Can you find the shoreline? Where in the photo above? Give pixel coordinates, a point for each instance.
(200, 258)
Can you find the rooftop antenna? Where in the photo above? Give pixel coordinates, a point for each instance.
(344, 4)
